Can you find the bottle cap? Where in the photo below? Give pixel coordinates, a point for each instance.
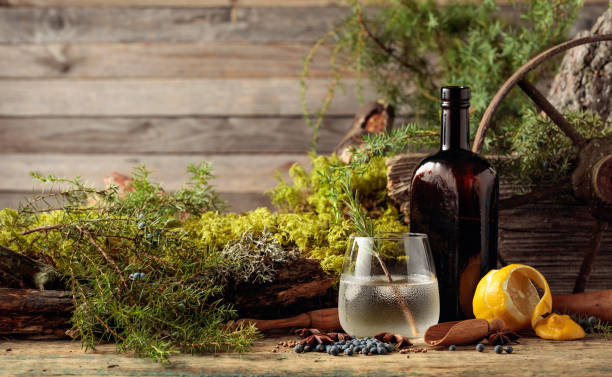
(455, 95)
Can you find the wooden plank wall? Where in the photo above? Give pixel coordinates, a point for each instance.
(89, 86)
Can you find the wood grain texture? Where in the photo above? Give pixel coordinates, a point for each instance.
(553, 237)
(171, 97)
(177, 3)
(532, 357)
(207, 3)
(157, 135)
(160, 60)
(159, 24)
(220, 23)
(24, 301)
(239, 173)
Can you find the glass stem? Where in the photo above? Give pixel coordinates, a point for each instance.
(401, 299)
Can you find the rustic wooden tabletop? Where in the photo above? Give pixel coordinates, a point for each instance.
(588, 357)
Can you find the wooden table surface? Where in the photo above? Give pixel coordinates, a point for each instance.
(591, 356)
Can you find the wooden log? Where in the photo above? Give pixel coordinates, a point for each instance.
(298, 288)
(19, 271)
(399, 175)
(170, 97)
(33, 301)
(35, 326)
(30, 312)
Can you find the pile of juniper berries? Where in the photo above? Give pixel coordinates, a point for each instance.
(365, 346)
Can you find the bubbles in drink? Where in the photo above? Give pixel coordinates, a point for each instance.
(370, 305)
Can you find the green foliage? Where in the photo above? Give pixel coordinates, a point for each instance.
(318, 191)
(98, 239)
(342, 199)
(398, 140)
(409, 48)
(541, 154)
(314, 218)
(187, 250)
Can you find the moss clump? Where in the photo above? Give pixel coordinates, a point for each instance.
(311, 213)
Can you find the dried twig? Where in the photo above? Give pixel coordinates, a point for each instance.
(385, 48)
(105, 255)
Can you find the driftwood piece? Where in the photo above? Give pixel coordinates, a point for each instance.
(584, 80)
(30, 312)
(19, 271)
(372, 117)
(399, 175)
(299, 287)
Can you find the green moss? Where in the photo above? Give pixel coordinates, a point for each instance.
(308, 212)
(318, 224)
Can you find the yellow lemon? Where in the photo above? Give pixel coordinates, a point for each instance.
(508, 293)
(559, 327)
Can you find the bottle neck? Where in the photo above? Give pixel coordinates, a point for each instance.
(455, 133)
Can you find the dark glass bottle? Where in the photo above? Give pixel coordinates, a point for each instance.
(453, 200)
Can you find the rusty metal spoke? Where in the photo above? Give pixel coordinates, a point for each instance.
(487, 118)
(552, 112)
(589, 257)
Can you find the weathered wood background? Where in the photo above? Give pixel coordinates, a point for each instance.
(93, 86)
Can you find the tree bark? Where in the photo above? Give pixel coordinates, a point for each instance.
(301, 286)
(19, 271)
(584, 81)
(30, 312)
(372, 117)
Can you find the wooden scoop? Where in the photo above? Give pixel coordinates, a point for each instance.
(323, 319)
(461, 332)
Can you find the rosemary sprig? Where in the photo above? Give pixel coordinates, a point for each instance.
(365, 227)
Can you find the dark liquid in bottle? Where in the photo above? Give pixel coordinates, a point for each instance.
(454, 198)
